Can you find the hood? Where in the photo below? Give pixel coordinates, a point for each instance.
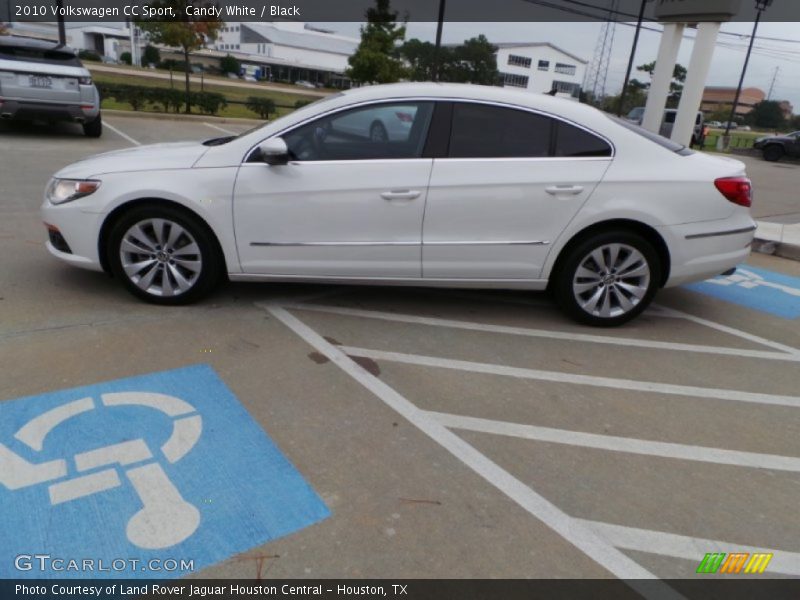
(154, 157)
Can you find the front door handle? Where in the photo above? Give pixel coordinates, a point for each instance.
(566, 190)
(401, 195)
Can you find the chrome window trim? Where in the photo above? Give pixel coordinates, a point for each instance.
(534, 111)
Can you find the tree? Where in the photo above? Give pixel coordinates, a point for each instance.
(675, 86)
(229, 64)
(767, 115)
(421, 58)
(183, 32)
(150, 56)
(376, 59)
(474, 62)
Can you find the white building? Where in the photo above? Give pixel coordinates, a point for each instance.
(289, 50)
(540, 67)
(109, 39)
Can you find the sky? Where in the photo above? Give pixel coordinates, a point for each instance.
(579, 38)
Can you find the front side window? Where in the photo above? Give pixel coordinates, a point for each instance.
(378, 131)
(484, 131)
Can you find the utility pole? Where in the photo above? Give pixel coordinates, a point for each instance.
(772, 85)
(631, 58)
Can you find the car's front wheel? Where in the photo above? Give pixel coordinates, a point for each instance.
(773, 152)
(608, 279)
(164, 255)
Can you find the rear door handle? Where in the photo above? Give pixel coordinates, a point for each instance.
(566, 190)
(401, 195)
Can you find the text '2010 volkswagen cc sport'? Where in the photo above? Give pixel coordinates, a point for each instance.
(471, 187)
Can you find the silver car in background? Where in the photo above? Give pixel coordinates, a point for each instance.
(41, 80)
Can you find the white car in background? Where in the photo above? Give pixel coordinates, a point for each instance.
(486, 187)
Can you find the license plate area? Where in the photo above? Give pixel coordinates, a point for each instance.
(40, 81)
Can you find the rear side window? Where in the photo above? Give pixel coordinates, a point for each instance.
(41, 55)
(574, 141)
(483, 131)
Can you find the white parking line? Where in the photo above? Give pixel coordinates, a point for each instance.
(580, 536)
(222, 129)
(729, 330)
(574, 378)
(686, 547)
(544, 333)
(122, 134)
(620, 444)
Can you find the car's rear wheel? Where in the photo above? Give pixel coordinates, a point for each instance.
(93, 128)
(377, 133)
(773, 152)
(608, 279)
(164, 255)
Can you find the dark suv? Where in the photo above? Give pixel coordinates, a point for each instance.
(776, 147)
(40, 80)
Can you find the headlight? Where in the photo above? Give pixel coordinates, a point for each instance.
(65, 190)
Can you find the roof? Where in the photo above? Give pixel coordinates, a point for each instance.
(539, 44)
(33, 44)
(255, 33)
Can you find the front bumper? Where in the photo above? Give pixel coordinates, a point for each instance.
(79, 230)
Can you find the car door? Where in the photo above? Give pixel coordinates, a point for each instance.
(511, 181)
(793, 148)
(346, 205)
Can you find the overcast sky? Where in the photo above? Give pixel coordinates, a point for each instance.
(580, 38)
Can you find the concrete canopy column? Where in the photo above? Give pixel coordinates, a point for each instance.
(662, 76)
(692, 94)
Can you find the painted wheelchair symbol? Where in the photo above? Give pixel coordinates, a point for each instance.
(749, 280)
(165, 518)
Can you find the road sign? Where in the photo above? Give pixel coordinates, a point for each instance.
(755, 288)
(135, 472)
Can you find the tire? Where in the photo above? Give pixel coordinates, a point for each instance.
(608, 278)
(378, 133)
(164, 255)
(94, 128)
(773, 152)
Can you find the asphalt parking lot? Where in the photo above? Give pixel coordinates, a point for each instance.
(449, 433)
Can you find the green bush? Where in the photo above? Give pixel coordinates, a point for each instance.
(150, 56)
(89, 55)
(167, 98)
(209, 103)
(302, 103)
(263, 107)
(229, 64)
(126, 58)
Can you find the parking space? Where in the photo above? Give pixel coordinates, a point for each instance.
(449, 433)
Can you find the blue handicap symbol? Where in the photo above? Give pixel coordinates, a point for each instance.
(136, 473)
(759, 289)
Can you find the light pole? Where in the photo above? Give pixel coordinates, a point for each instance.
(761, 6)
(437, 49)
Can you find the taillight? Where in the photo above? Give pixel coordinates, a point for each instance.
(738, 190)
(85, 80)
(404, 117)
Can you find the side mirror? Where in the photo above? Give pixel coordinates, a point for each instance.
(274, 151)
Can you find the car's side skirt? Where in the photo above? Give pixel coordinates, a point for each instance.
(509, 284)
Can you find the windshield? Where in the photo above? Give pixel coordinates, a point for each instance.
(653, 137)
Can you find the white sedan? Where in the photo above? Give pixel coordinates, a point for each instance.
(486, 187)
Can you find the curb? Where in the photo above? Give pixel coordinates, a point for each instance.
(138, 114)
(778, 239)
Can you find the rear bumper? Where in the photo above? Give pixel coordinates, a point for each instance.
(30, 109)
(704, 250)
